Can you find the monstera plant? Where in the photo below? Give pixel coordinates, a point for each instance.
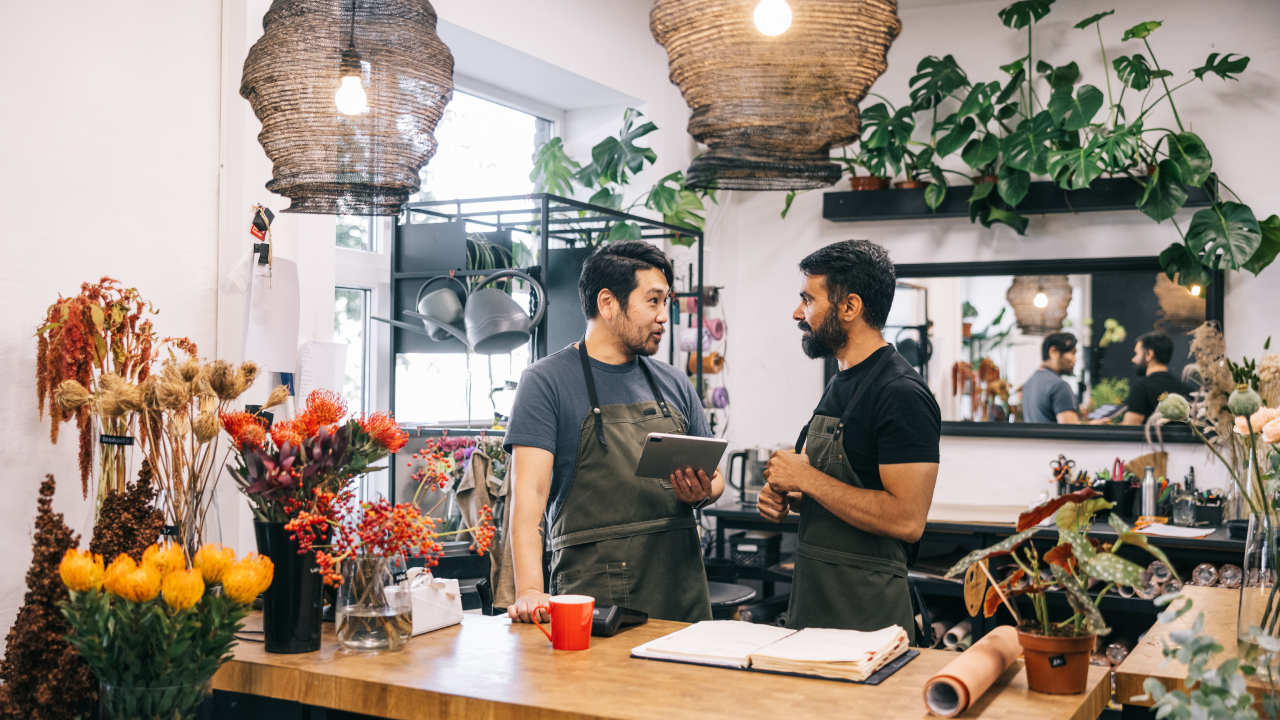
(1043, 121)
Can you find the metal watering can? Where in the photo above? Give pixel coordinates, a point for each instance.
(490, 322)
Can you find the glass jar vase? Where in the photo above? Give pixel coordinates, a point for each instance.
(171, 702)
(373, 612)
(1259, 601)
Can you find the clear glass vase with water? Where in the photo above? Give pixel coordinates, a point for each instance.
(373, 612)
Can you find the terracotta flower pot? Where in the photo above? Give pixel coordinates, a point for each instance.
(984, 179)
(868, 182)
(1057, 665)
(910, 184)
(966, 329)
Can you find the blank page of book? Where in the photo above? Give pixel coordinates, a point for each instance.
(728, 643)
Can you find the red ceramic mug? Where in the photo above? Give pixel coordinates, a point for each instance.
(570, 621)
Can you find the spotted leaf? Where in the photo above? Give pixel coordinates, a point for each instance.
(1003, 547)
(1080, 601)
(1135, 538)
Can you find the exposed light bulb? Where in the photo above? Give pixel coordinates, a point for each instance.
(1195, 290)
(1041, 301)
(773, 17)
(351, 98)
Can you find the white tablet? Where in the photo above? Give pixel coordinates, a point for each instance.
(663, 454)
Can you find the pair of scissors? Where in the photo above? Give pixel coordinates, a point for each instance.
(1062, 468)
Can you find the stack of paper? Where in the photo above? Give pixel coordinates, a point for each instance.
(840, 654)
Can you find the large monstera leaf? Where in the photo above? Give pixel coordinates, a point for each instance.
(1165, 194)
(1076, 168)
(934, 80)
(1193, 159)
(1225, 235)
(1023, 13)
(1075, 112)
(1026, 148)
(1185, 268)
(1268, 248)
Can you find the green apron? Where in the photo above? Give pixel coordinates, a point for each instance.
(845, 577)
(622, 539)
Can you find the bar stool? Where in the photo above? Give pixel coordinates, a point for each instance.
(726, 597)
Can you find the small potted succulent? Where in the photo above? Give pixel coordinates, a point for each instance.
(1057, 653)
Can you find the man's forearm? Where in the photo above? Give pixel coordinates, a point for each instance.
(526, 544)
(875, 511)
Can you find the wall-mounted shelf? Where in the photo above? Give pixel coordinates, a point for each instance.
(1044, 198)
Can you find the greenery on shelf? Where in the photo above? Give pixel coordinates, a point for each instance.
(615, 161)
(1109, 391)
(1040, 121)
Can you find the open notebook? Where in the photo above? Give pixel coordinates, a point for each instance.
(836, 654)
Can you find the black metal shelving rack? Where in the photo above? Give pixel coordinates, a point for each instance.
(548, 218)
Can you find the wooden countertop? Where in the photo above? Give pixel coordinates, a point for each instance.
(1220, 607)
(489, 668)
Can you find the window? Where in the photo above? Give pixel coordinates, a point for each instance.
(356, 232)
(351, 326)
(486, 150)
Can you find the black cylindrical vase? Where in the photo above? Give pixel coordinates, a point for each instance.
(293, 606)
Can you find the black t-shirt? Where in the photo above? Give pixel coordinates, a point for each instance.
(1146, 393)
(897, 421)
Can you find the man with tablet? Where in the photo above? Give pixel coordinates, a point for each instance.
(581, 419)
(863, 470)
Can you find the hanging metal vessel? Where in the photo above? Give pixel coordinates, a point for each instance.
(771, 108)
(327, 162)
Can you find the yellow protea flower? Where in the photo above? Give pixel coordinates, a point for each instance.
(247, 578)
(81, 570)
(165, 558)
(182, 589)
(125, 579)
(213, 561)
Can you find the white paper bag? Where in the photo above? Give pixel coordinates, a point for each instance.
(437, 602)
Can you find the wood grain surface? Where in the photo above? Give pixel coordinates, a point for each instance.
(1220, 607)
(489, 669)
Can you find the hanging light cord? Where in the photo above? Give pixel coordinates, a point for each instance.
(351, 42)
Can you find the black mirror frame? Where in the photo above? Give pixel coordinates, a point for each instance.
(1214, 310)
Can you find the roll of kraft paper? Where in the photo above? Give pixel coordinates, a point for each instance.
(957, 633)
(712, 363)
(965, 679)
(939, 631)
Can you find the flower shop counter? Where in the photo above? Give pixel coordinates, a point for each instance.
(487, 667)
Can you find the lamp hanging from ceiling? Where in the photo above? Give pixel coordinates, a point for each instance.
(349, 95)
(773, 85)
(1180, 308)
(1039, 302)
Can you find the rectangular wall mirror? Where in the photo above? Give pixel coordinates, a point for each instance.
(977, 333)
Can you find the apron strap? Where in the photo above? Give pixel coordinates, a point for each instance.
(591, 390)
(653, 385)
(862, 388)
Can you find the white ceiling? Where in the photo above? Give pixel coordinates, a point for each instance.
(505, 68)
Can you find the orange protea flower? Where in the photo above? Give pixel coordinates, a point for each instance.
(247, 578)
(245, 429)
(81, 570)
(384, 431)
(182, 589)
(166, 558)
(286, 432)
(326, 406)
(213, 561)
(126, 580)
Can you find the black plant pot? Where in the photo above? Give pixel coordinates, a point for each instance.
(294, 604)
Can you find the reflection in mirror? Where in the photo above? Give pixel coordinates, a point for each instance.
(1092, 348)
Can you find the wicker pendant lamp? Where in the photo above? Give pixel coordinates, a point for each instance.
(1039, 302)
(771, 107)
(396, 77)
(1179, 308)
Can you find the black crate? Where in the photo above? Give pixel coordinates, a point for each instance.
(755, 549)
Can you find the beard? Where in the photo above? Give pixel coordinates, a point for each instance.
(638, 340)
(826, 340)
(1141, 369)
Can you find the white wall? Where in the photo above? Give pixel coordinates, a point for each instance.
(109, 150)
(754, 253)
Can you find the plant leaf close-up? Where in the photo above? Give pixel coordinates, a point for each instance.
(1225, 235)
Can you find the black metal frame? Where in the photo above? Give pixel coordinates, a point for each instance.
(1214, 310)
(548, 217)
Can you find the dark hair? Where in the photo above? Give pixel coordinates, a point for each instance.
(613, 266)
(856, 267)
(1062, 342)
(1159, 344)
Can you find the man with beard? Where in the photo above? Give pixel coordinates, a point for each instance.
(864, 468)
(578, 425)
(1151, 355)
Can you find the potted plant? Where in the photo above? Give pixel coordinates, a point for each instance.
(289, 470)
(1057, 651)
(968, 313)
(155, 633)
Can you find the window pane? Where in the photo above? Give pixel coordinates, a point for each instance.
(355, 232)
(350, 326)
(433, 388)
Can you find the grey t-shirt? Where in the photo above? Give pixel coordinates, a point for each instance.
(1044, 395)
(551, 402)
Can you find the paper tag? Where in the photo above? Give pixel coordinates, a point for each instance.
(115, 439)
(1058, 661)
(747, 548)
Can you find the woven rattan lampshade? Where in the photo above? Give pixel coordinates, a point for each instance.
(1034, 320)
(771, 108)
(1179, 309)
(327, 162)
